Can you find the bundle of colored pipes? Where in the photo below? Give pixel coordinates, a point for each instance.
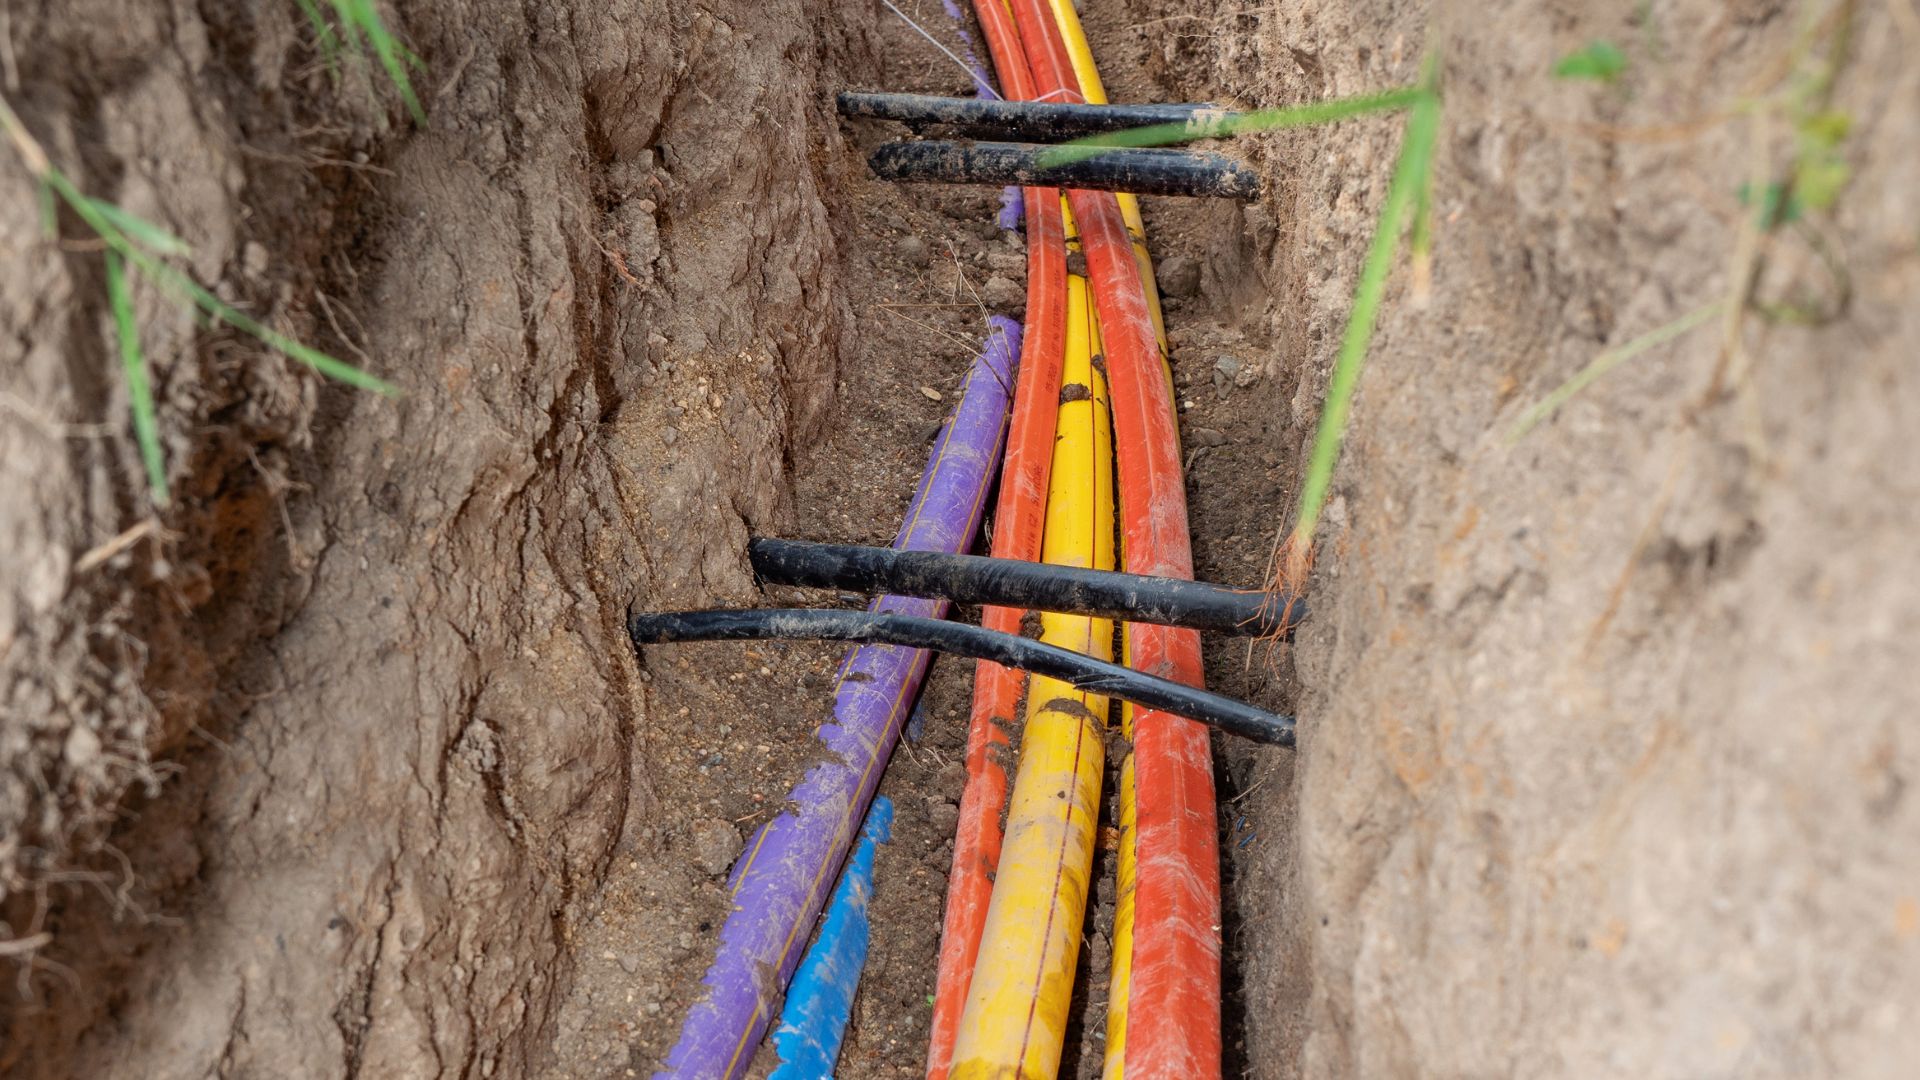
(1092, 392)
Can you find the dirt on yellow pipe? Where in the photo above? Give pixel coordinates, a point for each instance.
(1080, 54)
(1016, 1013)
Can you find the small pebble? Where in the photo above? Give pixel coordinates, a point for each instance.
(83, 747)
(913, 251)
(1224, 370)
(931, 394)
(1227, 365)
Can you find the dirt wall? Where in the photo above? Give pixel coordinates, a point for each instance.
(1606, 757)
(377, 643)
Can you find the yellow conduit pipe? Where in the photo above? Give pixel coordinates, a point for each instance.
(1080, 54)
(1015, 1020)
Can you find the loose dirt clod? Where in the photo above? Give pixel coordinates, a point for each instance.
(913, 251)
(1003, 295)
(1179, 276)
(715, 845)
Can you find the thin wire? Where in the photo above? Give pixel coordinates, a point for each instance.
(979, 80)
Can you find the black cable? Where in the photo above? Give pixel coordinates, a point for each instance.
(1028, 121)
(976, 579)
(1143, 172)
(1082, 672)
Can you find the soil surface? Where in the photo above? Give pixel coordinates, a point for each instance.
(341, 765)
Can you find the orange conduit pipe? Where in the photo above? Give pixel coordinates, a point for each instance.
(1018, 523)
(1173, 984)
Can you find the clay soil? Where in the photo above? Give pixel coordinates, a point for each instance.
(341, 765)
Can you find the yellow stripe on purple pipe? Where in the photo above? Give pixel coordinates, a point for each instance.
(1016, 1014)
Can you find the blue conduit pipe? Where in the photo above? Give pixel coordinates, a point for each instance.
(819, 1003)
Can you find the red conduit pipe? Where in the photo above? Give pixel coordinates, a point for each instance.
(1019, 518)
(1173, 1005)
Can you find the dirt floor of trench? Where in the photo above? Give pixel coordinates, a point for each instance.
(930, 267)
(342, 767)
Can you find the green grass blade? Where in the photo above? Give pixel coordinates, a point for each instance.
(133, 365)
(1420, 241)
(140, 230)
(1319, 112)
(1420, 237)
(130, 239)
(349, 29)
(1409, 177)
(1600, 60)
(49, 217)
(363, 19)
(93, 213)
(1607, 361)
(219, 311)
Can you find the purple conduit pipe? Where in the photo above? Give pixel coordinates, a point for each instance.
(780, 882)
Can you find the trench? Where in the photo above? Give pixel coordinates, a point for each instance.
(342, 764)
